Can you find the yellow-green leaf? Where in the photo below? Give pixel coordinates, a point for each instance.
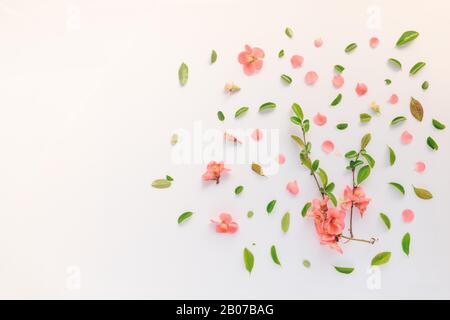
(422, 193)
(406, 241)
(406, 37)
(344, 269)
(184, 216)
(270, 206)
(267, 106)
(415, 68)
(392, 156)
(386, 220)
(416, 109)
(257, 168)
(249, 260)
(183, 74)
(213, 56)
(351, 47)
(285, 222)
(161, 184)
(398, 186)
(274, 255)
(381, 258)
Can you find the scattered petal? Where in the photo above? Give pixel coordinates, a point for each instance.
(420, 166)
(319, 119)
(257, 135)
(292, 187)
(311, 77)
(407, 215)
(231, 87)
(281, 158)
(338, 81)
(361, 89)
(318, 42)
(374, 41)
(393, 99)
(406, 137)
(327, 146)
(296, 61)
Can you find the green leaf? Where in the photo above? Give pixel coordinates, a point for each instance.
(365, 117)
(391, 156)
(381, 258)
(297, 110)
(306, 125)
(169, 178)
(270, 206)
(387, 81)
(274, 255)
(298, 140)
(336, 100)
(296, 120)
(406, 37)
(249, 260)
(323, 176)
(397, 120)
(213, 56)
(398, 186)
(257, 169)
(351, 154)
(415, 68)
(306, 263)
(344, 270)
(240, 112)
(342, 126)
(286, 78)
(315, 165)
(351, 47)
(369, 159)
(332, 198)
(184, 216)
(432, 144)
(425, 85)
(339, 68)
(330, 187)
(281, 53)
(161, 184)
(305, 160)
(416, 109)
(423, 193)
(285, 222)
(288, 31)
(363, 174)
(438, 125)
(406, 241)
(365, 140)
(183, 74)
(220, 115)
(305, 209)
(386, 220)
(238, 190)
(250, 214)
(267, 106)
(395, 62)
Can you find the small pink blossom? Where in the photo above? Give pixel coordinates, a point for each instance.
(296, 61)
(225, 224)
(318, 42)
(406, 137)
(257, 135)
(357, 197)
(231, 88)
(320, 119)
(338, 81)
(373, 42)
(328, 146)
(361, 89)
(292, 187)
(251, 59)
(420, 166)
(214, 170)
(408, 215)
(311, 77)
(281, 158)
(393, 99)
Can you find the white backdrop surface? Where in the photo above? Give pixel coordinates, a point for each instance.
(89, 98)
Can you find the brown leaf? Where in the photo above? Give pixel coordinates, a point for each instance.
(257, 168)
(416, 109)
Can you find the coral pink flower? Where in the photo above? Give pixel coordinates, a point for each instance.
(329, 222)
(292, 187)
(338, 81)
(406, 137)
(257, 135)
(320, 119)
(361, 89)
(373, 42)
(281, 158)
(225, 224)
(420, 166)
(214, 170)
(296, 61)
(357, 197)
(311, 77)
(393, 99)
(251, 59)
(318, 42)
(408, 215)
(328, 146)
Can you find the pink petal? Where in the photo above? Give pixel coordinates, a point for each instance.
(249, 69)
(244, 58)
(311, 77)
(221, 228)
(233, 227)
(248, 49)
(225, 217)
(257, 135)
(338, 81)
(406, 137)
(296, 61)
(420, 166)
(257, 64)
(393, 99)
(319, 119)
(257, 52)
(292, 187)
(361, 89)
(318, 42)
(374, 42)
(327, 146)
(408, 215)
(281, 158)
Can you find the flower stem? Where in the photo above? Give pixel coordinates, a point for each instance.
(371, 241)
(311, 171)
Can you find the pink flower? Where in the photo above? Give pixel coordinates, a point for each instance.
(374, 42)
(311, 77)
(338, 81)
(357, 197)
(292, 187)
(296, 61)
(329, 222)
(214, 170)
(251, 59)
(361, 89)
(225, 224)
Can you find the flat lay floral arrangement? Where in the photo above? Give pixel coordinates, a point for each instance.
(332, 211)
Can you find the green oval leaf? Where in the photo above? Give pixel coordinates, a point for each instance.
(305, 209)
(351, 47)
(267, 106)
(183, 74)
(425, 85)
(297, 110)
(184, 216)
(397, 120)
(423, 193)
(336, 100)
(386, 220)
(438, 125)
(387, 81)
(339, 68)
(306, 263)
(238, 190)
(381, 258)
(285, 222)
(406, 241)
(351, 154)
(249, 260)
(274, 255)
(298, 140)
(369, 159)
(213, 56)
(416, 109)
(395, 62)
(344, 269)
(323, 176)
(250, 214)
(220, 115)
(392, 156)
(365, 117)
(406, 37)
(415, 68)
(432, 144)
(342, 126)
(365, 140)
(161, 184)
(169, 178)
(270, 206)
(288, 31)
(363, 174)
(286, 78)
(281, 53)
(240, 112)
(398, 186)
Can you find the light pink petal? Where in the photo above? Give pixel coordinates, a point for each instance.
(311, 77)
(319, 119)
(406, 137)
(209, 175)
(420, 166)
(408, 215)
(374, 41)
(233, 227)
(327, 146)
(296, 61)
(221, 228)
(361, 89)
(225, 217)
(248, 49)
(393, 99)
(338, 81)
(249, 69)
(244, 58)
(281, 158)
(292, 187)
(257, 135)
(257, 52)
(257, 64)
(318, 42)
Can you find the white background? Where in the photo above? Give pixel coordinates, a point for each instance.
(89, 97)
